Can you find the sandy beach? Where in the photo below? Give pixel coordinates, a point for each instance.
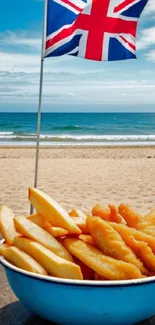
(80, 177)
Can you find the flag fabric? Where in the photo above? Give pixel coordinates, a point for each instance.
(101, 30)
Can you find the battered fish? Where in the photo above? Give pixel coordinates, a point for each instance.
(144, 252)
(108, 214)
(125, 232)
(132, 218)
(105, 266)
(111, 243)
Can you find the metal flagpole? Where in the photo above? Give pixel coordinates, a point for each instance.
(40, 99)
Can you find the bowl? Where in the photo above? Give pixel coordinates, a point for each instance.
(78, 302)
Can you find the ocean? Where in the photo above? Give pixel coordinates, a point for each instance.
(78, 129)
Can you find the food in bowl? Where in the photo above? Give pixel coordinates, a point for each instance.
(111, 243)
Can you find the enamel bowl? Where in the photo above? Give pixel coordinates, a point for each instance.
(75, 302)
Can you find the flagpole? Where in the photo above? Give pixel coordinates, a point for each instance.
(40, 99)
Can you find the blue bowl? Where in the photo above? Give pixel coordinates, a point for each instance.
(78, 302)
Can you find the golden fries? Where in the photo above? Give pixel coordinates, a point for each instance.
(33, 231)
(115, 243)
(87, 273)
(43, 223)
(52, 263)
(87, 239)
(52, 211)
(7, 227)
(98, 277)
(3, 249)
(80, 219)
(104, 265)
(21, 259)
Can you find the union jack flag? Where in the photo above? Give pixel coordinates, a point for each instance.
(93, 29)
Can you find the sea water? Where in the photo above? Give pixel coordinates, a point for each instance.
(78, 129)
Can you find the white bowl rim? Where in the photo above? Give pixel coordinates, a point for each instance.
(90, 283)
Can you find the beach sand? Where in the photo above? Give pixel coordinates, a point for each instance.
(77, 178)
(80, 177)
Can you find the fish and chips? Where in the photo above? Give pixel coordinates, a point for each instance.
(110, 243)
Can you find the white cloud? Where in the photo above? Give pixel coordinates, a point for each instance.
(19, 62)
(150, 7)
(20, 38)
(150, 55)
(146, 39)
(60, 87)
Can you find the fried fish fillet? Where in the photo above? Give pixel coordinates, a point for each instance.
(108, 214)
(150, 217)
(144, 252)
(149, 230)
(132, 218)
(115, 216)
(125, 232)
(111, 243)
(102, 212)
(103, 265)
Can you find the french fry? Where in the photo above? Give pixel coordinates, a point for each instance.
(87, 273)
(87, 239)
(57, 231)
(3, 249)
(7, 227)
(80, 219)
(105, 266)
(111, 243)
(29, 229)
(21, 259)
(98, 277)
(125, 232)
(78, 213)
(52, 263)
(39, 220)
(52, 211)
(43, 223)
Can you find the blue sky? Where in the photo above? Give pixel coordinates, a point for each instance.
(71, 84)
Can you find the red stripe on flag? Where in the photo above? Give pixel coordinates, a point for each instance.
(130, 44)
(66, 32)
(72, 5)
(123, 5)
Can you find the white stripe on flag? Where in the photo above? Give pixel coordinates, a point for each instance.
(83, 43)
